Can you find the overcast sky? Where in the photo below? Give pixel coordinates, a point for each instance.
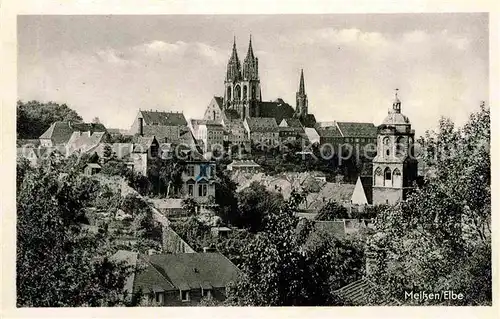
(110, 66)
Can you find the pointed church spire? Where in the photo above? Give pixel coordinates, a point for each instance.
(302, 87)
(250, 54)
(234, 55)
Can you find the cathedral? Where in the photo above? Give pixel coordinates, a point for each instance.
(243, 95)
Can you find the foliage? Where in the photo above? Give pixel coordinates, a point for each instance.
(254, 204)
(278, 270)
(59, 263)
(194, 232)
(190, 206)
(440, 237)
(332, 211)
(165, 176)
(34, 118)
(225, 197)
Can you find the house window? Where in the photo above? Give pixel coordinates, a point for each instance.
(185, 295)
(357, 140)
(191, 190)
(202, 190)
(159, 297)
(190, 170)
(207, 293)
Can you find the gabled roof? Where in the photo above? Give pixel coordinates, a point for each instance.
(219, 100)
(312, 134)
(60, 132)
(143, 144)
(262, 124)
(354, 129)
(330, 192)
(163, 118)
(291, 122)
(356, 292)
(358, 196)
(84, 141)
(332, 131)
(193, 270)
(309, 120)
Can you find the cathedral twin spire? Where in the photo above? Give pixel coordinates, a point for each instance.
(250, 70)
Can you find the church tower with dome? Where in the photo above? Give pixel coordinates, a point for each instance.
(395, 166)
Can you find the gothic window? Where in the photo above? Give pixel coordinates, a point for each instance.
(237, 93)
(396, 178)
(378, 178)
(245, 93)
(229, 93)
(213, 114)
(387, 174)
(254, 92)
(385, 142)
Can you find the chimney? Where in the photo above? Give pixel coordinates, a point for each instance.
(141, 127)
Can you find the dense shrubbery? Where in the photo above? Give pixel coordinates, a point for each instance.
(58, 262)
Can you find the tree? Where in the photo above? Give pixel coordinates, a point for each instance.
(332, 211)
(279, 269)
(254, 204)
(190, 206)
(58, 263)
(34, 118)
(443, 224)
(225, 197)
(96, 120)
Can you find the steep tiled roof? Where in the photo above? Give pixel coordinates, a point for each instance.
(148, 278)
(130, 259)
(84, 141)
(219, 100)
(332, 131)
(143, 144)
(277, 110)
(192, 270)
(353, 129)
(163, 118)
(309, 120)
(262, 124)
(330, 192)
(291, 122)
(312, 134)
(243, 163)
(60, 132)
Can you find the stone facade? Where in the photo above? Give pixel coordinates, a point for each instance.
(394, 167)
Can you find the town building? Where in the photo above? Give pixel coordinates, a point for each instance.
(167, 127)
(181, 279)
(85, 142)
(60, 132)
(199, 179)
(209, 134)
(144, 151)
(92, 169)
(248, 166)
(262, 131)
(395, 167)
